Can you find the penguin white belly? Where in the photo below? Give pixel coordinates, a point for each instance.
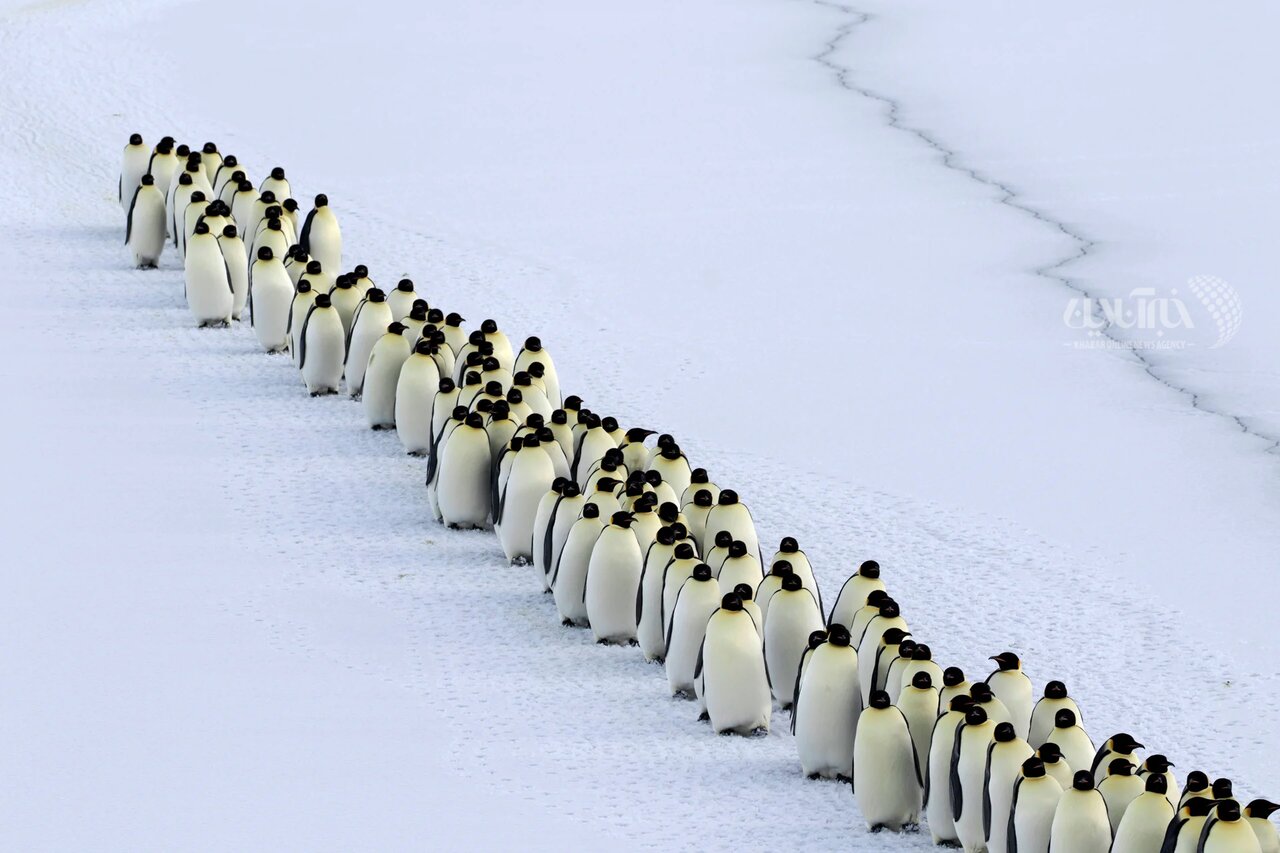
(1265, 831)
(972, 768)
(238, 268)
(735, 687)
(298, 309)
(530, 479)
(1231, 837)
(884, 771)
(321, 355)
(938, 804)
(735, 518)
(793, 616)
(613, 577)
(134, 166)
(567, 514)
(571, 571)
(920, 707)
(1119, 792)
(1006, 765)
(325, 240)
(1077, 749)
(272, 294)
(208, 287)
(1042, 719)
(541, 525)
(463, 489)
(368, 329)
(651, 630)
(826, 718)
(1080, 824)
(674, 574)
(415, 390)
(147, 227)
(382, 376)
(1035, 805)
(1014, 690)
(1143, 826)
(695, 603)
(738, 570)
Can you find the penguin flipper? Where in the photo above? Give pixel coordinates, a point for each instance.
(986, 795)
(915, 753)
(1011, 833)
(697, 667)
(304, 239)
(128, 228)
(251, 323)
(640, 597)
(795, 694)
(1204, 834)
(1171, 835)
(1097, 759)
(302, 345)
(355, 318)
(957, 791)
(547, 540)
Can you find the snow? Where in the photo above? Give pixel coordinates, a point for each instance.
(229, 621)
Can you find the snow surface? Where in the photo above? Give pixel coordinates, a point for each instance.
(228, 621)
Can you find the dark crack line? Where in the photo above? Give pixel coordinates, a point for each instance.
(1009, 197)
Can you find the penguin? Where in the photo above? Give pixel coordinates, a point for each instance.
(697, 512)
(886, 776)
(210, 160)
(273, 232)
(1117, 746)
(463, 491)
(742, 566)
(1119, 788)
(1258, 813)
(416, 389)
(644, 522)
(304, 296)
(563, 516)
(1228, 832)
(208, 282)
(887, 618)
(176, 205)
(531, 476)
(501, 344)
(996, 711)
(891, 677)
(1055, 699)
(416, 321)
(730, 672)
(257, 212)
(699, 481)
(1005, 757)
(651, 628)
(1077, 749)
(237, 261)
(816, 639)
(1143, 825)
(635, 456)
(1222, 790)
(320, 278)
(921, 661)
(558, 460)
(790, 553)
(346, 299)
(382, 377)
(770, 584)
(744, 593)
(289, 216)
(1035, 800)
(320, 353)
(277, 183)
(227, 188)
(953, 684)
(163, 166)
(145, 224)
(1012, 687)
(1197, 786)
(967, 777)
(1158, 765)
(719, 551)
(242, 202)
(793, 615)
(224, 175)
(827, 708)
(542, 518)
(590, 449)
(368, 324)
(197, 205)
(321, 238)
(732, 515)
(456, 418)
(677, 570)
(671, 463)
(1054, 764)
(696, 601)
(402, 298)
(454, 334)
(270, 295)
(569, 580)
(532, 352)
(886, 652)
(534, 397)
(135, 163)
(1183, 832)
(1081, 824)
(937, 784)
(918, 701)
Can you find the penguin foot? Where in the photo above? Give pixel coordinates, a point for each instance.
(519, 560)
(566, 623)
(704, 717)
(381, 427)
(877, 828)
(682, 694)
(814, 777)
(843, 779)
(633, 642)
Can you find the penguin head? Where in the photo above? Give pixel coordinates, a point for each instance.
(488, 327)
(197, 197)
(323, 301)
(1197, 780)
(291, 205)
(731, 602)
(202, 228)
(273, 224)
(322, 200)
(210, 148)
(672, 451)
(634, 489)
(1082, 781)
(1064, 719)
(474, 359)
(184, 179)
(961, 703)
(621, 519)
(1257, 808)
(817, 638)
(879, 699)
(314, 268)
(278, 174)
(265, 254)
(636, 435)
(792, 583)
(230, 161)
(238, 177)
(490, 363)
(573, 401)
(788, 545)
(459, 413)
(781, 569)
(1120, 767)
(1221, 788)
(889, 609)
(665, 439)
(514, 396)
(534, 421)
(876, 597)
(304, 286)
(1050, 752)
(590, 510)
(607, 484)
(273, 212)
(680, 530)
(533, 343)
(229, 231)
(494, 388)
(521, 378)
(1229, 811)
(1007, 661)
(434, 315)
(952, 676)
(906, 647)
(723, 539)
(975, 715)
(922, 680)
(666, 536)
(1199, 806)
(697, 475)
(148, 180)
(1125, 743)
(183, 151)
(1033, 768)
(838, 635)
(869, 569)
(1157, 784)
(922, 652)
(744, 591)
(342, 282)
(396, 328)
(1004, 732)
(571, 489)
(728, 497)
(165, 145)
(454, 319)
(135, 139)
(1055, 690)
(701, 572)
(244, 185)
(424, 347)
(359, 271)
(486, 406)
(267, 198)
(1157, 764)
(536, 370)
(981, 692)
(446, 385)
(703, 497)
(545, 435)
(405, 285)
(668, 512)
(684, 551)
(375, 294)
(737, 548)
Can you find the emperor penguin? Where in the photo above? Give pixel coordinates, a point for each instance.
(996, 710)
(677, 570)
(1197, 786)
(382, 377)
(194, 212)
(696, 601)
(770, 584)
(533, 351)
(439, 443)
(866, 613)
(321, 238)
(258, 211)
(673, 466)
(208, 282)
(697, 513)
(1121, 745)
(230, 185)
(533, 396)
(136, 163)
(501, 344)
(454, 334)
(590, 449)
(289, 216)
(719, 550)
(953, 684)
(321, 279)
(222, 176)
(635, 456)
(416, 389)
(1119, 788)
(1012, 687)
(651, 628)
(277, 183)
(416, 321)
(1142, 827)
(320, 353)
(793, 615)
(816, 639)
(176, 203)
(789, 552)
(210, 160)
(1227, 831)
(732, 515)
(346, 299)
(304, 296)
(730, 672)
(569, 582)
(644, 520)
(937, 781)
(463, 490)
(1158, 765)
(368, 324)
(1055, 699)
(1054, 764)
(1080, 824)
(891, 680)
(270, 295)
(1077, 749)
(742, 566)
(827, 709)
(563, 516)
(967, 777)
(1222, 789)
(699, 480)
(744, 593)
(237, 260)
(1005, 757)
(542, 518)
(1035, 800)
(887, 618)
(853, 595)
(145, 225)
(532, 474)
(402, 298)
(886, 776)
(918, 702)
(1258, 813)
(163, 166)
(922, 661)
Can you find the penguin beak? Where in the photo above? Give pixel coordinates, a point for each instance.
(1137, 745)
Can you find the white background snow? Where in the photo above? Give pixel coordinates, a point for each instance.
(227, 621)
